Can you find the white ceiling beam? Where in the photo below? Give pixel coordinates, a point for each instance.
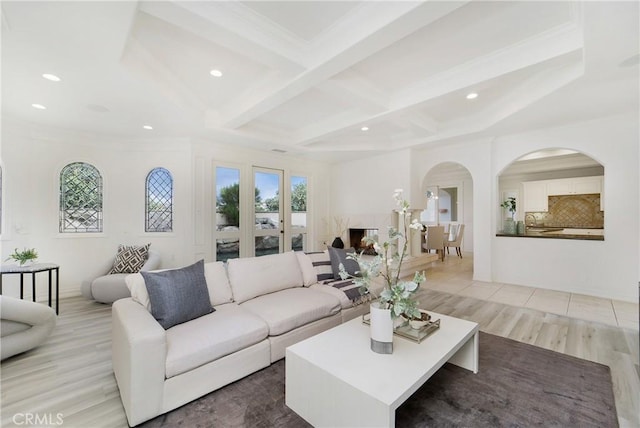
(543, 47)
(213, 22)
(534, 89)
(548, 45)
(339, 120)
(423, 122)
(357, 91)
(408, 18)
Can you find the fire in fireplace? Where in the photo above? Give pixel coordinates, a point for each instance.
(355, 240)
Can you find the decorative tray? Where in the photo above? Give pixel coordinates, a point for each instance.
(406, 331)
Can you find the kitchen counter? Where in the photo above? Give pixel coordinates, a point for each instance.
(559, 233)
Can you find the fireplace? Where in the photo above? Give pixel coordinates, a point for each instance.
(355, 240)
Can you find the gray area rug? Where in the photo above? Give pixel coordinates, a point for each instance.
(518, 385)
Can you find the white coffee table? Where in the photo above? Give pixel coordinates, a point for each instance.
(333, 379)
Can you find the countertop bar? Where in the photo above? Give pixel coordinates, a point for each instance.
(554, 236)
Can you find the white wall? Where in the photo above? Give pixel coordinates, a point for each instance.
(362, 190)
(600, 268)
(32, 158)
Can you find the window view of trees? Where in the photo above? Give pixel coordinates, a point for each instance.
(299, 197)
(228, 204)
(298, 212)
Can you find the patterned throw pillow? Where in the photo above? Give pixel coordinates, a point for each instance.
(130, 259)
(338, 256)
(322, 265)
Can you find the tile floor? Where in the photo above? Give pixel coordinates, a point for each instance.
(454, 276)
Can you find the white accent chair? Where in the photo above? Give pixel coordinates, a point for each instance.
(455, 238)
(24, 325)
(109, 288)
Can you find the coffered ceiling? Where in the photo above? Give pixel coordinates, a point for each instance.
(307, 77)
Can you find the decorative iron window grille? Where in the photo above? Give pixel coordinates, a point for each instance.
(159, 201)
(80, 199)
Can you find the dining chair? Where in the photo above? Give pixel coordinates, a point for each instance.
(435, 240)
(456, 242)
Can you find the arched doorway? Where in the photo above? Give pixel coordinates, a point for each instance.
(447, 189)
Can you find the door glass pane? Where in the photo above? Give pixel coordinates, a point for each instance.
(267, 245)
(298, 212)
(298, 241)
(227, 213)
(227, 249)
(268, 224)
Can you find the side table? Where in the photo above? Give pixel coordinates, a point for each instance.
(33, 269)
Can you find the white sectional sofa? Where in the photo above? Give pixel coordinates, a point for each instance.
(262, 305)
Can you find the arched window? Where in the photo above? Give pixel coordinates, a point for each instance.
(80, 198)
(159, 201)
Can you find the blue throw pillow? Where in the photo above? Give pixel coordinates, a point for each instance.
(178, 295)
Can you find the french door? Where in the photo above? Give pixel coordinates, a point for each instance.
(258, 211)
(268, 211)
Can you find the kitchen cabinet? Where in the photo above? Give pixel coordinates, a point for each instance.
(536, 193)
(535, 196)
(574, 186)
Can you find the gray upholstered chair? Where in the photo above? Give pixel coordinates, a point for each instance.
(23, 325)
(109, 288)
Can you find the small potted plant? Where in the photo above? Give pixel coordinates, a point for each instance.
(510, 205)
(26, 256)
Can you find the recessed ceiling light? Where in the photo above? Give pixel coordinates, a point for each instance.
(51, 77)
(472, 96)
(215, 73)
(38, 106)
(148, 127)
(364, 128)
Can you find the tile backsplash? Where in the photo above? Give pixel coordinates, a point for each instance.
(581, 211)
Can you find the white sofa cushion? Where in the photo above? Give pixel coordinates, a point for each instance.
(214, 273)
(309, 275)
(218, 283)
(288, 309)
(255, 276)
(344, 300)
(229, 329)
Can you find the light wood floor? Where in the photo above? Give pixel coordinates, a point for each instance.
(71, 373)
